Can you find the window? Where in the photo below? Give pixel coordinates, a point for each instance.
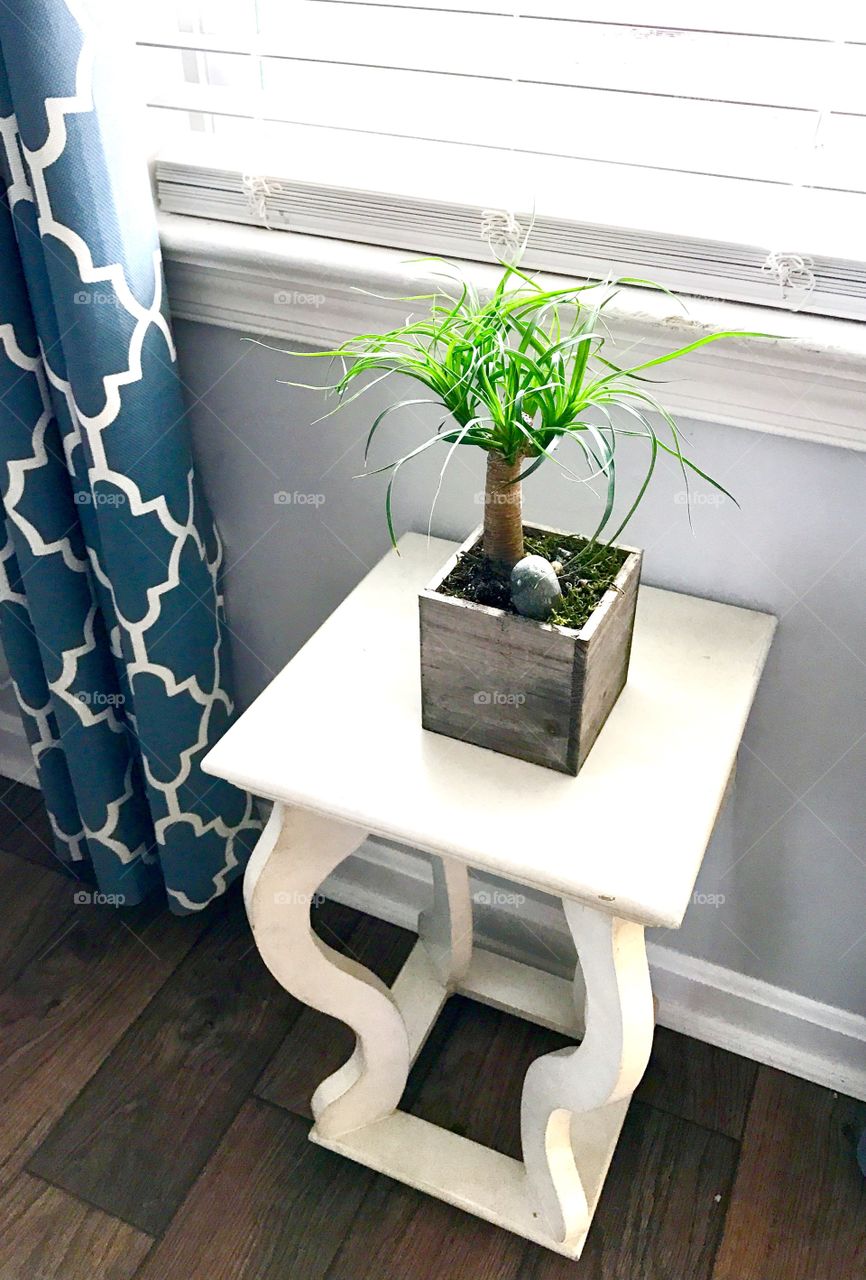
(719, 150)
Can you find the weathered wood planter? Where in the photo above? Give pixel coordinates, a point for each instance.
(534, 690)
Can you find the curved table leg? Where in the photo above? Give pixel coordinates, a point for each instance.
(445, 927)
(574, 1086)
(297, 850)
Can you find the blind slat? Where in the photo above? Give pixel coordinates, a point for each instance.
(793, 73)
(677, 204)
(691, 128)
(829, 20)
(771, 145)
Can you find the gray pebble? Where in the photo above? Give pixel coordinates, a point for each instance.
(534, 587)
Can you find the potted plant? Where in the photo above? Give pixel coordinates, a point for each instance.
(526, 630)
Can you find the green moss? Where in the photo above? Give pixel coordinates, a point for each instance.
(587, 573)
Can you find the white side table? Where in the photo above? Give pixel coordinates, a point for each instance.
(336, 741)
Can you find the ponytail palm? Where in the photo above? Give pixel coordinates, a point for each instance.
(515, 374)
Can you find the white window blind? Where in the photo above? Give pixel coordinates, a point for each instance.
(719, 150)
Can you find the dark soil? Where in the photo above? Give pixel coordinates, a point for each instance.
(587, 573)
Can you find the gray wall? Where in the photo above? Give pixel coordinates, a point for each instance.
(790, 860)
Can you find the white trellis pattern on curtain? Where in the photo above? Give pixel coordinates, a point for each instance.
(110, 607)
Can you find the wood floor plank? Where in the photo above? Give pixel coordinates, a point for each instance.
(798, 1210)
(317, 1045)
(48, 1235)
(662, 1211)
(37, 906)
(129, 1041)
(698, 1082)
(471, 1046)
(138, 1135)
(16, 801)
(400, 1233)
(31, 837)
(68, 1008)
(269, 1206)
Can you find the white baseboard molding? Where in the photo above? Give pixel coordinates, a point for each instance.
(720, 1006)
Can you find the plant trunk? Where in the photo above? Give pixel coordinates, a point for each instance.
(503, 514)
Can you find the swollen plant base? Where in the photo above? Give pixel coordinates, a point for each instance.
(534, 690)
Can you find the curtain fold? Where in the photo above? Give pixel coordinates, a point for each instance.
(110, 607)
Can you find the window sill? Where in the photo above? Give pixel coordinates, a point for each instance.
(808, 383)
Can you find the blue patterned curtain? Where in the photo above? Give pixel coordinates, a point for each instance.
(110, 613)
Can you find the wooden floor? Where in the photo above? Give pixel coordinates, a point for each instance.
(155, 1083)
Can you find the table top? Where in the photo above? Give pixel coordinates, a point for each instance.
(339, 731)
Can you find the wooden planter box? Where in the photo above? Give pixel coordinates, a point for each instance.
(529, 689)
